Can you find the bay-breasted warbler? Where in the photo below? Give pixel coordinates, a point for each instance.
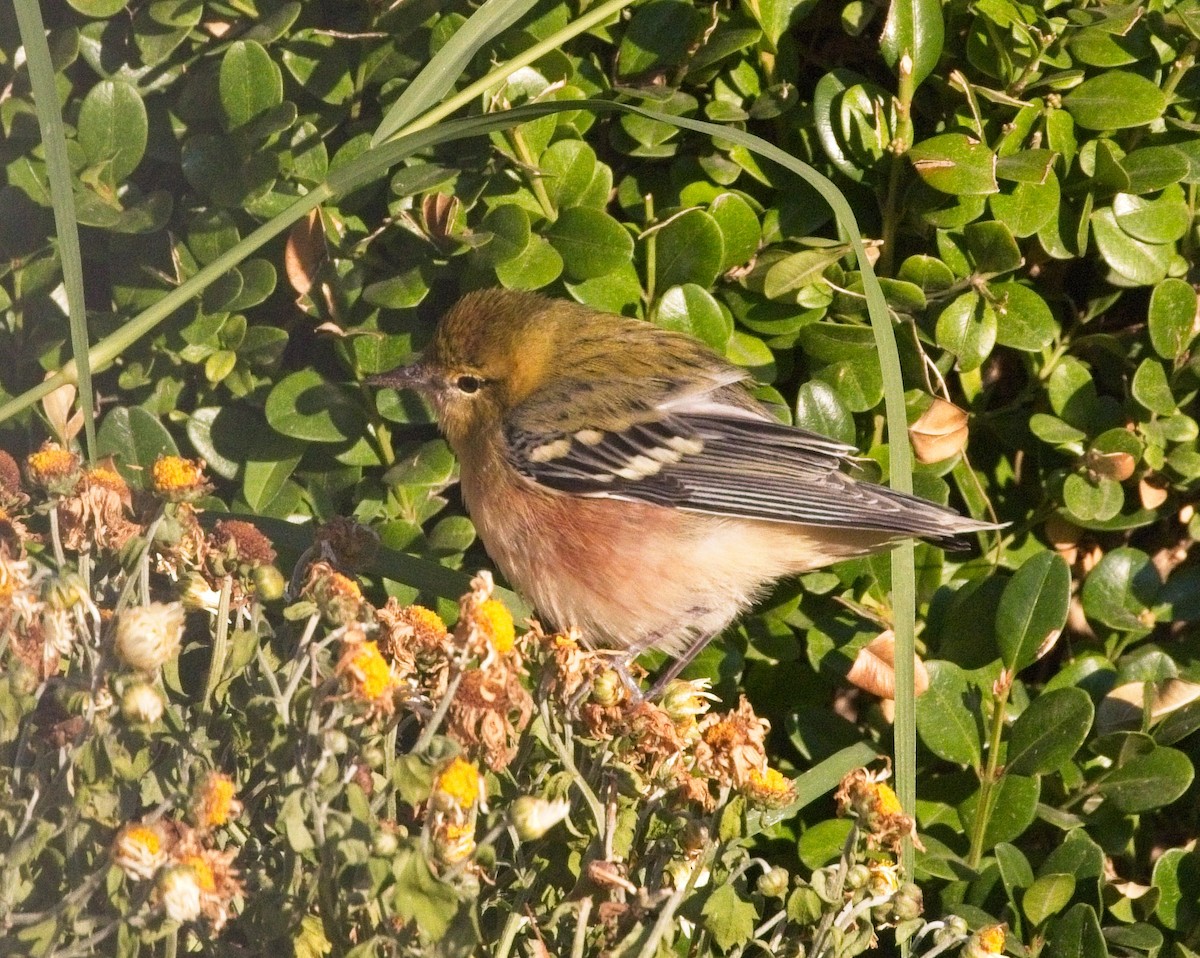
(626, 481)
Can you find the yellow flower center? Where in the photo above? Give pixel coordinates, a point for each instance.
(51, 461)
(772, 780)
(343, 585)
(886, 802)
(108, 478)
(174, 473)
(369, 669)
(992, 939)
(426, 620)
(496, 622)
(216, 801)
(200, 868)
(460, 782)
(147, 838)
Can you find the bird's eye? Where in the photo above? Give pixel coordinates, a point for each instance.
(468, 384)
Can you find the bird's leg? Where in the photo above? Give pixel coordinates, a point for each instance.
(679, 664)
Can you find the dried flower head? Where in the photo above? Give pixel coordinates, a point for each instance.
(454, 842)
(413, 637)
(96, 515)
(53, 468)
(149, 635)
(485, 626)
(368, 677)
(867, 796)
(12, 496)
(214, 802)
(769, 788)
(236, 547)
(347, 544)
(490, 710)
(176, 479)
(140, 849)
(215, 876)
(337, 596)
(141, 703)
(733, 745)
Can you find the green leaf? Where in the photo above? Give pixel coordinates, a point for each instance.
(567, 169)
(590, 242)
(776, 16)
(689, 249)
(1137, 262)
(1048, 895)
(692, 309)
(740, 229)
(967, 328)
(1013, 808)
(1150, 780)
(953, 163)
(250, 83)
(270, 460)
(820, 409)
(823, 842)
(1028, 207)
(1154, 168)
(1172, 317)
(1033, 609)
(113, 127)
(794, 272)
(422, 898)
(914, 29)
(1092, 498)
(660, 35)
(509, 226)
(948, 715)
(1023, 320)
(992, 248)
(320, 65)
(857, 382)
(1177, 877)
(1115, 100)
(135, 439)
(729, 918)
(538, 265)
(1163, 219)
(304, 406)
(1076, 935)
(1120, 590)
(1151, 388)
(1049, 732)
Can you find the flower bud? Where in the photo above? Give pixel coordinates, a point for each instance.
(385, 845)
(608, 690)
(858, 876)
(141, 703)
(532, 817)
(149, 635)
(179, 893)
(775, 883)
(269, 583)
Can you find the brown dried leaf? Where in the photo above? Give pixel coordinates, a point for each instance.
(940, 433)
(874, 668)
(305, 252)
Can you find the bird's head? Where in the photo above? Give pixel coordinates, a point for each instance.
(490, 351)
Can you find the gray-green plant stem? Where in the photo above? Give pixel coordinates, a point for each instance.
(299, 666)
(58, 172)
(536, 183)
(666, 915)
(818, 943)
(991, 775)
(439, 714)
(220, 647)
(568, 760)
(579, 941)
(511, 926)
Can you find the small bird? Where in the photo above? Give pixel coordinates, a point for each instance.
(625, 480)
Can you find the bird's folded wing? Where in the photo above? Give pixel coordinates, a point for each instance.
(709, 456)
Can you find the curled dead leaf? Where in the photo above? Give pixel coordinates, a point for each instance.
(940, 433)
(1151, 493)
(57, 406)
(305, 252)
(874, 668)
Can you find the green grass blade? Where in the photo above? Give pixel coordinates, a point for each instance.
(447, 65)
(45, 98)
